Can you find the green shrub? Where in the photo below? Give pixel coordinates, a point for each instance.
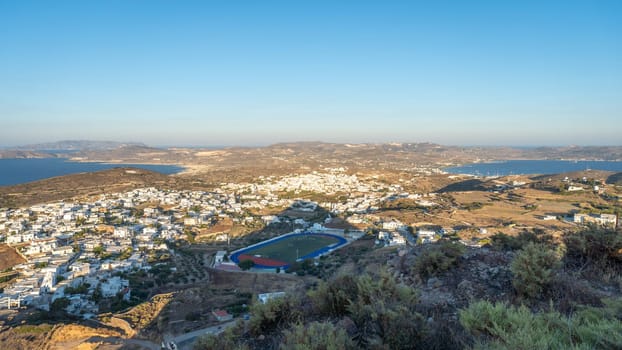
(532, 269)
(81, 289)
(334, 297)
(596, 245)
(33, 329)
(59, 304)
(473, 206)
(275, 314)
(316, 336)
(500, 326)
(502, 241)
(384, 313)
(437, 258)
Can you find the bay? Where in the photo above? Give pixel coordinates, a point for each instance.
(519, 167)
(15, 171)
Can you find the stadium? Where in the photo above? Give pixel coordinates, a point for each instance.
(282, 251)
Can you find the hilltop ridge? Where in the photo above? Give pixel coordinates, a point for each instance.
(68, 145)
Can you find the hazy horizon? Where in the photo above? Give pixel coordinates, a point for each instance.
(208, 146)
(193, 73)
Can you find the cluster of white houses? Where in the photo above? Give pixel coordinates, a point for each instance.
(610, 220)
(361, 196)
(79, 245)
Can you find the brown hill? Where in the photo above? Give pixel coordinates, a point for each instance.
(9, 257)
(63, 187)
(294, 155)
(7, 154)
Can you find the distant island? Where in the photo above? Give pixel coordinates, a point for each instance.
(398, 154)
(77, 145)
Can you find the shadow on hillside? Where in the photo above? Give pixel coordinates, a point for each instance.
(614, 179)
(467, 185)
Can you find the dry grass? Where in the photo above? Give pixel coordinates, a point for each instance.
(145, 313)
(9, 257)
(501, 210)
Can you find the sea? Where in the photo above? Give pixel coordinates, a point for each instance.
(519, 167)
(15, 171)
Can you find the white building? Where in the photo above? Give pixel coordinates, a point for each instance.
(220, 256)
(265, 297)
(426, 236)
(112, 286)
(122, 232)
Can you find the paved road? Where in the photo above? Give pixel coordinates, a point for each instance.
(185, 341)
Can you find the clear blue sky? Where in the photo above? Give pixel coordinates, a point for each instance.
(259, 72)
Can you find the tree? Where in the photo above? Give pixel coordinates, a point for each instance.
(126, 253)
(246, 264)
(41, 264)
(80, 221)
(98, 250)
(97, 294)
(59, 304)
(190, 236)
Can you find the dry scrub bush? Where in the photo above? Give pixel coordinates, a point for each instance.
(382, 310)
(316, 336)
(275, 314)
(437, 258)
(498, 326)
(533, 269)
(598, 246)
(334, 297)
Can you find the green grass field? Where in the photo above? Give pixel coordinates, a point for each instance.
(287, 249)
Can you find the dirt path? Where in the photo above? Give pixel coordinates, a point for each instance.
(105, 343)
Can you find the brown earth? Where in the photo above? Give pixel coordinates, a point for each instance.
(25, 337)
(9, 257)
(73, 332)
(144, 314)
(220, 226)
(84, 184)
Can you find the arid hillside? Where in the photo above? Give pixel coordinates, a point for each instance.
(9, 257)
(83, 184)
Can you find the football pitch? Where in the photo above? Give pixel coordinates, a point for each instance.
(288, 249)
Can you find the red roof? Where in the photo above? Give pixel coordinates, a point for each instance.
(220, 313)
